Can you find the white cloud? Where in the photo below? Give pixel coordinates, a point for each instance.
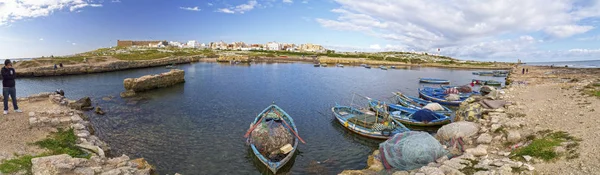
(115, 1)
(567, 30)
(15, 10)
(225, 10)
(242, 8)
(190, 8)
(375, 46)
(41, 39)
(590, 38)
(305, 2)
(209, 4)
(288, 1)
(469, 27)
(74, 44)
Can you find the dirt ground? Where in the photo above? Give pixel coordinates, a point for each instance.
(15, 132)
(552, 98)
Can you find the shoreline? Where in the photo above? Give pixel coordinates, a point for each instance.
(113, 65)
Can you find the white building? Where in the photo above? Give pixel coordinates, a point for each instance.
(273, 46)
(192, 44)
(175, 44)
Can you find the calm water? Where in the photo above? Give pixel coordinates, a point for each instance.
(198, 127)
(574, 64)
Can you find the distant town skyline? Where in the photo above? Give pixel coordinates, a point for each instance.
(502, 30)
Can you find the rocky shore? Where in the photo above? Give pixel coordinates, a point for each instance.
(550, 128)
(149, 82)
(107, 66)
(48, 113)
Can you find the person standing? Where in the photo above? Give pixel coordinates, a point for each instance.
(526, 70)
(8, 86)
(523, 72)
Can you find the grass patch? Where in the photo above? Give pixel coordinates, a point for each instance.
(163, 53)
(27, 64)
(543, 147)
(61, 142)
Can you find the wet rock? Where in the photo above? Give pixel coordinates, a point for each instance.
(81, 104)
(484, 138)
(99, 111)
(127, 94)
(513, 136)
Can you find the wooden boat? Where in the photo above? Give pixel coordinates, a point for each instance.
(289, 123)
(404, 114)
(433, 81)
(367, 123)
(437, 95)
(417, 103)
(479, 82)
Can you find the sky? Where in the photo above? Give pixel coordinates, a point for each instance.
(484, 30)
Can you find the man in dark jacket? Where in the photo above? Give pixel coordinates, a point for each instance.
(8, 86)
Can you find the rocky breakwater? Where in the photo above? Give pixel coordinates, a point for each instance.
(52, 110)
(149, 82)
(108, 66)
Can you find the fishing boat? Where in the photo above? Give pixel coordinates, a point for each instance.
(367, 66)
(492, 83)
(172, 66)
(382, 68)
(437, 95)
(479, 82)
(363, 65)
(323, 65)
(317, 65)
(433, 81)
(500, 75)
(367, 123)
(275, 114)
(486, 73)
(340, 65)
(475, 73)
(405, 115)
(417, 103)
(392, 67)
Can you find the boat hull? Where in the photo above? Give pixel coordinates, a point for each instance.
(441, 101)
(434, 81)
(366, 132)
(417, 103)
(402, 114)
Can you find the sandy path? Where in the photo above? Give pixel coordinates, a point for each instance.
(15, 132)
(557, 104)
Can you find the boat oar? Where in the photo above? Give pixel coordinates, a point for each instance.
(255, 125)
(291, 129)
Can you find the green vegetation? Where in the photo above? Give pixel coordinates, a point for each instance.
(470, 167)
(61, 142)
(27, 64)
(151, 54)
(544, 147)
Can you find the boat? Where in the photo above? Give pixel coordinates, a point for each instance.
(172, 66)
(404, 114)
(433, 81)
(323, 65)
(392, 67)
(275, 113)
(367, 66)
(486, 73)
(382, 68)
(340, 65)
(475, 73)
(437, 95)
(363, 65)
(500, 75)
(492, 83)
(417, 103)
(479, 82)
(317, 65)
(367, 123)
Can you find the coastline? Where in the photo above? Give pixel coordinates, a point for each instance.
(46, 115)
(552, 105)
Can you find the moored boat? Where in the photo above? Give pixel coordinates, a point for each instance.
(486, 73)
(367, 123)
(433, 81)
(417, 103)
(323, 65)
(475, 73)
(269, 118)
(437, 95)
(172, 66)
(317, 65)
(340, 65)
(492, 83)
(367, 66)
(392, 67)
(382, 68)
(405, 115)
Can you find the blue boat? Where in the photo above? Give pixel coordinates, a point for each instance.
(405, 115)
(367, 123)
(382, 67)
(433, 81)
(475, 73)
(437, 95)
(417, 103)
(367, 66)
(273, 112)
(392, 67)
(486, 73)
(500, 75)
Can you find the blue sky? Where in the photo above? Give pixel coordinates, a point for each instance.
(502, 30)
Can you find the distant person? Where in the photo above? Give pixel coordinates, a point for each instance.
(8, 86)
(526, 70)
(61, 65)
(55, 67)
(523, 72)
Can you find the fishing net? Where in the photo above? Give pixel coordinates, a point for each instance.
(434, 107)
(410, 150)
(464, 89)
(469, 110)
(453, 135)
(452, 97)
(270, 136)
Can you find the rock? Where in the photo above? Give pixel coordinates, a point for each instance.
(117, 160)
(484, 138)
(431, 170)
(92, 148)
(31, 114)
(528, 167)
(461, 129)
(58, 164)
(505, 170)
(560, 150)
(456, 163)
(83, 133)
(148, 82)
(54, 122)
(127, 94)
(497, 138)
(141, 163)
(78, 126)
(502, 153)
(477, 151)
(442, 159)
(513, 136)
(495, 127)
(527, 158)
(99, 111)
(76, 118)
(450, 171)
(44, 119)
(106, 98)
(401, 173)
(33, 121)
(374, 164)
(483, 173)
(512, 124)
(65, 120)
(81, 103)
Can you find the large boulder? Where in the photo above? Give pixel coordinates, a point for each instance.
(59, 164)
(81, 104)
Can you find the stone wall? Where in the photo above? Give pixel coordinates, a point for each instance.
(149, 82)
(100, 67)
